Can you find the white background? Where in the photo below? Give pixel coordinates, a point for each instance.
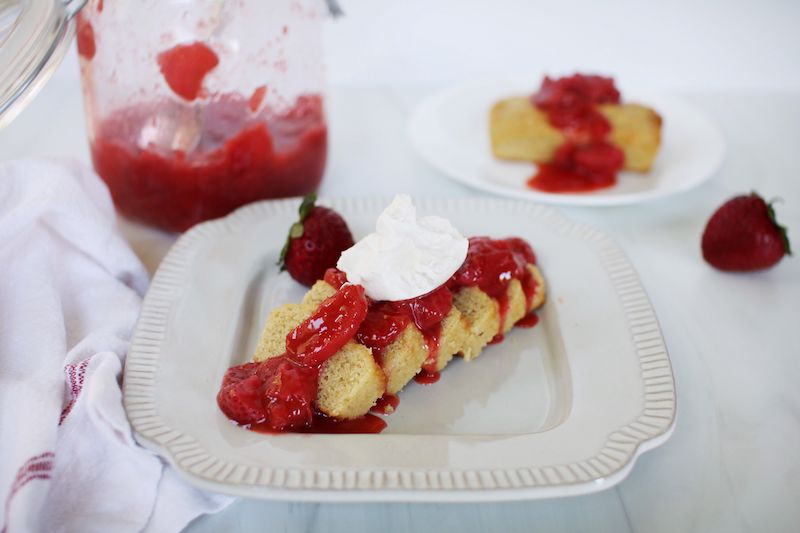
(678, 44)
(675, 43)
(733, 462)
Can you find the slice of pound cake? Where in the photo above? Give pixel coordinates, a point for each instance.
(333, 356)
(579, 133)
(520, 131)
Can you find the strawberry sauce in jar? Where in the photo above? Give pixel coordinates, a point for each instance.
(203, 106)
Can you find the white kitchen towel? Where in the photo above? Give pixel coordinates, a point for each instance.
(70, 291)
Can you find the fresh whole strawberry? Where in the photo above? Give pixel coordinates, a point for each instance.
(315, 242)
(743, 235)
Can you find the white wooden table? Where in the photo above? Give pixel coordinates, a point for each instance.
(733, 463)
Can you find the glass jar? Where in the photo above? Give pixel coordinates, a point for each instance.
(196, 107)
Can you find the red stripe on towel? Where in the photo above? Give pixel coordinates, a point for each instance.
(37, 467)
(75, 378)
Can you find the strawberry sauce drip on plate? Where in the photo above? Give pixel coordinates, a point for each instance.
(386, 404)
(325, 424)
(528, 321)
(427, 378)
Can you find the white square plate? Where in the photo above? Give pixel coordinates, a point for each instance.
(560, 409)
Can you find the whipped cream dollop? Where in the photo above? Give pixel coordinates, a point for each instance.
(406, 256)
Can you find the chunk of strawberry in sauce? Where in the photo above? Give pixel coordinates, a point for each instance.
(277, 392)
(184, 67)
(328, 329)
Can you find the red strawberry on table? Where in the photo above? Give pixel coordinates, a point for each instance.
(315, 242)
(743, 235)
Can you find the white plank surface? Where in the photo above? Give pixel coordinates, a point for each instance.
(733, 463)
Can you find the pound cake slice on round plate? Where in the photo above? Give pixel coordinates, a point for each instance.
(363, 332)
(578, 131)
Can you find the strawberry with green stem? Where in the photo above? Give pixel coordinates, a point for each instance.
(743, 235)
(315, 242)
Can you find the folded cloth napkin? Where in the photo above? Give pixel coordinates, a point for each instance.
(70, 291)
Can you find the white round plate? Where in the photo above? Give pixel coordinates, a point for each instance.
(451, 131)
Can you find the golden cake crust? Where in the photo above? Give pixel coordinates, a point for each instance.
(351, 381)
(520, 131)
(403, 358)
(636, 129)
(455, 331)
(320, 291)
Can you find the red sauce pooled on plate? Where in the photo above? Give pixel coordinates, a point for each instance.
(325, 424)
(586, 161)
(528, 321)
(427, 378)
(386, 404)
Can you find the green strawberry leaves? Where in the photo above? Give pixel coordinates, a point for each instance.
(784, 232)
(296, 229)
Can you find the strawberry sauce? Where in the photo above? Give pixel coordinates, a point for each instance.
(580, 168)
(385, 321)
(325, 424)
(528, 321)
(84, 38)
(257, 98)
(386, 404)
(328, 329)
(491, 264)
(427, 378)
(236, 157)
(185, 66)
(278, 394)
(335, 278)
(586, 161)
